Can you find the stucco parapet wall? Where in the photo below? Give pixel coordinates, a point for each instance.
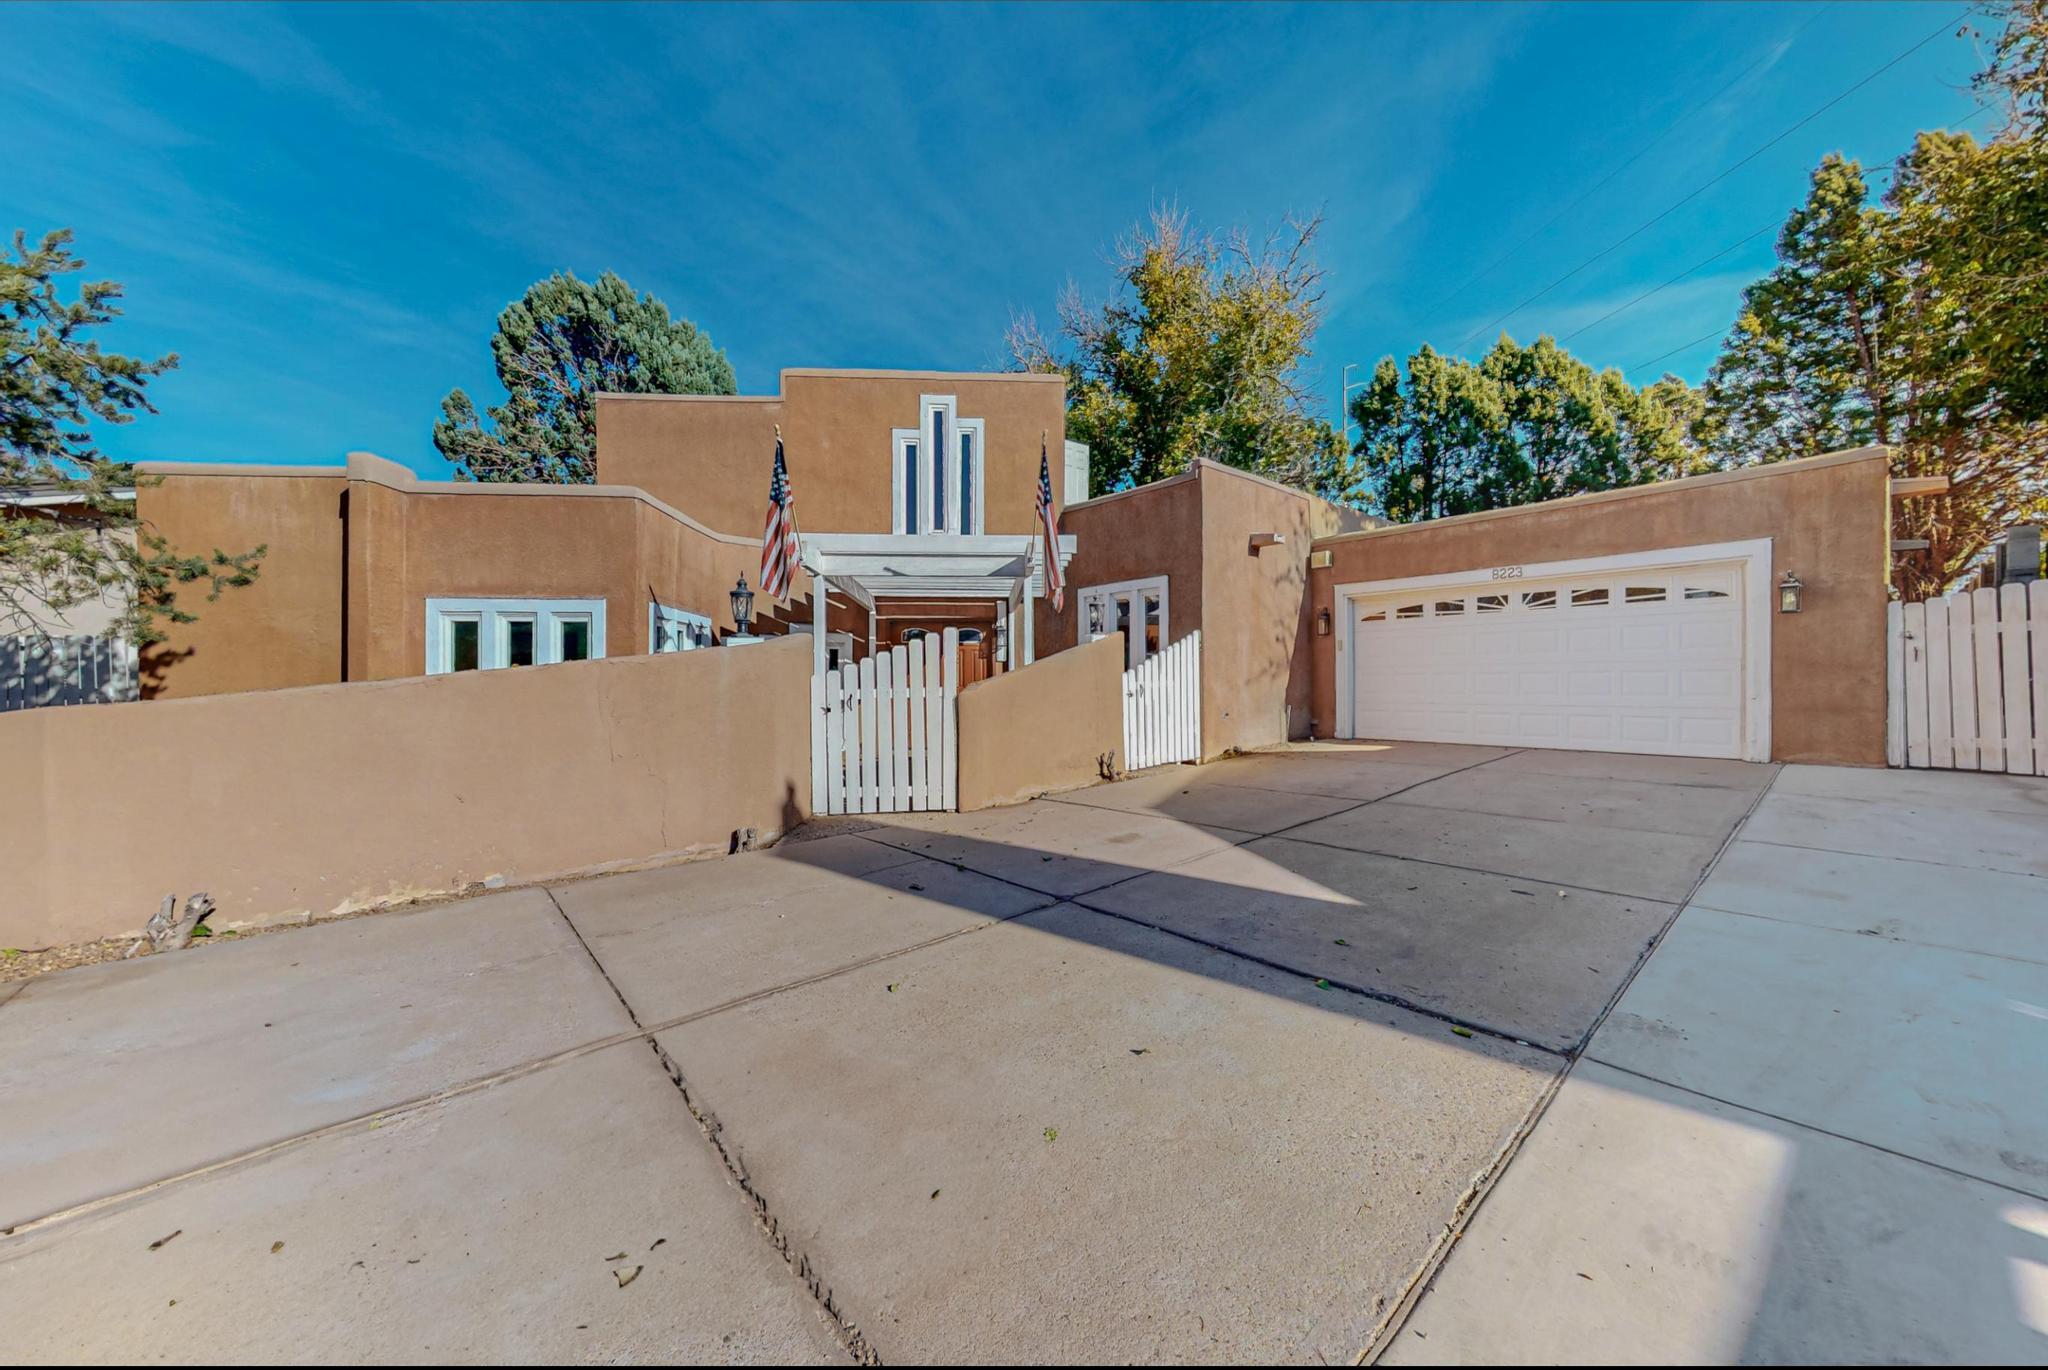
(828, 373)
(372, 469)
(1199, 465)
(1779, 468)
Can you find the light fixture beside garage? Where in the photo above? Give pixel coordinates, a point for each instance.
(1322, 623)
(1789, 590)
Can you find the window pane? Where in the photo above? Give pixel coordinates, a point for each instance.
(938, 469)
(1644, 594)
(519, 642)
(462, 644)
(966, 524)
(1155, 624)
(1493, 604)
(1447, 607)
(1539, 599)
(1408, 611)
(575, 639)
(910, 523)
(1094, 618)
(1589, 598)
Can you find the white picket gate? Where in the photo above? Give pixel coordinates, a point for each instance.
(1968, 681)
(1163, 706)
(884, 733)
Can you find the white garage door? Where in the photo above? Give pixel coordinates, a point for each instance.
(1636, 661)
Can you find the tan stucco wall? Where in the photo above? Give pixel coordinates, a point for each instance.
(285, 629)
(1251, 604)
(710, 456)
(1828, 521)
(284, 803)
(1050, 726)
(356, 553)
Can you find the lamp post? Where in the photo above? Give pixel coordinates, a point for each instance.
(742, 607)
(1344, 403)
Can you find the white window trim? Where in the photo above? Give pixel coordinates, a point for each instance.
(492, 616)
(1752, 557)
(927, 469)
(659, 613)
(1134, 648)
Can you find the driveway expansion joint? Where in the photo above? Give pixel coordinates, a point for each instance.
(849, 1334)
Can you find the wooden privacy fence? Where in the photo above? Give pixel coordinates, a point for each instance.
(65, 670)
(884, 733)
(1163, 706)
(1969, 681)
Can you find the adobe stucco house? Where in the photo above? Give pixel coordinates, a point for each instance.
(916, 491)
(1646, 619)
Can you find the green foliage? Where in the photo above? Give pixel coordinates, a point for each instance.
(1446, 436)
(555, 349)
(1198, 354)
(54, 382)
(1919, 323)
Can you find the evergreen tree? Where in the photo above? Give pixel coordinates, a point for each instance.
(555, 349)
(54, 383)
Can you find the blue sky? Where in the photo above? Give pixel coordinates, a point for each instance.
(323, 209)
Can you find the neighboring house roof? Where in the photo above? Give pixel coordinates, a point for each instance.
(48, 495)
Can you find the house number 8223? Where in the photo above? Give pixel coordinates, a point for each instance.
(1507, 573)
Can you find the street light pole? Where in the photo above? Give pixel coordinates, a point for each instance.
(1345, 403)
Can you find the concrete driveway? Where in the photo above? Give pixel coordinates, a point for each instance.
(1205, 1065)
(1815, 1128)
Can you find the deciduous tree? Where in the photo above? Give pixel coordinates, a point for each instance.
(1199, 353)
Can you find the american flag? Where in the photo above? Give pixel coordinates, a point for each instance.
(778, 542)
(1055, 582)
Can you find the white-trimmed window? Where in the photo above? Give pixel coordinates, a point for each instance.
(676, 630)
(938, 470)
(1135, 608)
(485, 634)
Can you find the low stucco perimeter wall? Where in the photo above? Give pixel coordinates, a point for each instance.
(319, 800)
(1052, 726)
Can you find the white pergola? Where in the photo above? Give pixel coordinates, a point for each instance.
(869, 566)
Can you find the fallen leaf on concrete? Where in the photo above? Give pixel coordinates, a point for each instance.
(626, 1277)
(1322, 984)
(892, 988)
(659, 1241)
(1052, 1134)
(1462, 1032)
(935, 1193)
(276, 1247)
(621, 1256)
(159, 1242)
(1141, 1051)
(1583, 1275)
(1342, 943)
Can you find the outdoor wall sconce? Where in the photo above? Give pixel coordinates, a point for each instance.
(1788, 594)
(742, 606)
(1322, 623)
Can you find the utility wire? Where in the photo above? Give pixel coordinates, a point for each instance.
(1967, 119)
(1714, 181)
(1641, 153)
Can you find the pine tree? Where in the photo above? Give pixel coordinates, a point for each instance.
(556, 348)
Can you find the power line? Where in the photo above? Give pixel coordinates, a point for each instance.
(1714, 181)
(1683, 347)
(1641, 153)
(1969, 118)
(1707, 261)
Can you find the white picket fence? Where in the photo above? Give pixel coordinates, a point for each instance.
(65, 670)
(884, 733)
(1969, 681)
(1163, 706)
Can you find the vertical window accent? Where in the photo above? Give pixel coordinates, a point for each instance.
(912, 487)
(1139, 609)
(676, 630)
(517, 649)
(941, 517)
(967, 520)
